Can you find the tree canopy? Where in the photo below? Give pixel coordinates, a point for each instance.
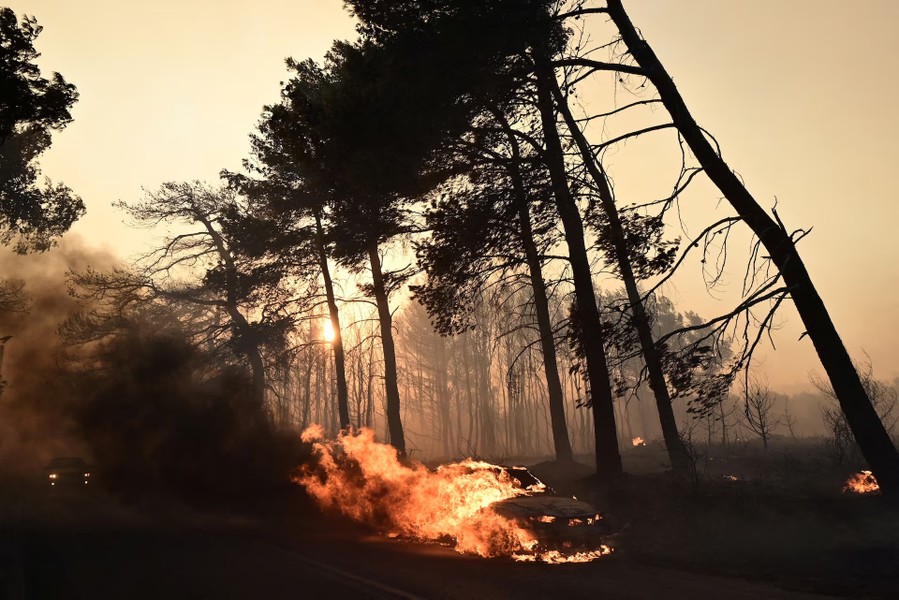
(32, 107)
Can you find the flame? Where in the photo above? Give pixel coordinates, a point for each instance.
(861, 483)
(365, 481)
(312, 433)
(638, 441)
(555, 557)
(731, 478)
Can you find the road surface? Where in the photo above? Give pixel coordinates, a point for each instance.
(95, 550)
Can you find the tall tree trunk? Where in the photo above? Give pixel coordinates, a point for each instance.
(441, 376)
(608, 458)
(869, 432)
(722, 418)
(358, 376)
(370, 390)
(307, 390)
(469, 394)
(676, 451)
(485, 403)
(556, 400)
(257, 368)
(391, 387)
(343, 406)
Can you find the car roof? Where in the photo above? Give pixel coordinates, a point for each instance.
(540, 506)
(524, 477)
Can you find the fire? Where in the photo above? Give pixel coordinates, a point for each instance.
(638, 441)
(731, 478)
(861, 483)
(554, 557)
(366, 481)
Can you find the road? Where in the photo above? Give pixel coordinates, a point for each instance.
(100, 551)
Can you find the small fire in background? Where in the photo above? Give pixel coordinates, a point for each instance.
(638, 441)
(731, 478)
(365, 481)
(861, 483)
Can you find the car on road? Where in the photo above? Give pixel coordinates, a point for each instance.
(67, 472)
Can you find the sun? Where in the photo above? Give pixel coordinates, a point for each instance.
(328, 330)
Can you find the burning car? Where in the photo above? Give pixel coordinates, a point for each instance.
(67, 471)
(474, 506)
(557, 523)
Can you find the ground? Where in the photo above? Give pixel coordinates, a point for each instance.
(757, 537)
(784, 520)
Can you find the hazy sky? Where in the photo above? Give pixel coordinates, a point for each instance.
(800, 93)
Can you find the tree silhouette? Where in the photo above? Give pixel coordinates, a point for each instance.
(758, 402)
(634, 244)
(285, 223)
(31, 108)
(496, 221)
(508, 36)
(363, 133)
(238, 300)
(872, 437)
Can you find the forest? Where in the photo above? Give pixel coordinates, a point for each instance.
(431, 239)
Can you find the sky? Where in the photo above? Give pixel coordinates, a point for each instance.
(800, 95)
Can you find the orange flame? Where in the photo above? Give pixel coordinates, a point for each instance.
(638, 441)
(861, 483)
(365, 481)
(731, 478)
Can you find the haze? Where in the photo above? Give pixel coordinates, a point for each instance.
(802, 105)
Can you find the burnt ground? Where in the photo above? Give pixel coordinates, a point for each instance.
(764, 536)
(785, 520)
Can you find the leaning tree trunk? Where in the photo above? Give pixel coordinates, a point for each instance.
(869, 432)
(676, 451)
(561, 441)
(608, 458)
(394, 421)
(343, 406)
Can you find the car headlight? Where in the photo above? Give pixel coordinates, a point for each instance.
(53, 475)
(87, 474)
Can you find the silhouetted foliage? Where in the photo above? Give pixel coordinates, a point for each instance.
(230, 300)
(649, 253)
(475, 235)
(31, 108)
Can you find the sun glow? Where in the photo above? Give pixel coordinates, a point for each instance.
(328, 330)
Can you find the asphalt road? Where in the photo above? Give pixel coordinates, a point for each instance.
(92, 548)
